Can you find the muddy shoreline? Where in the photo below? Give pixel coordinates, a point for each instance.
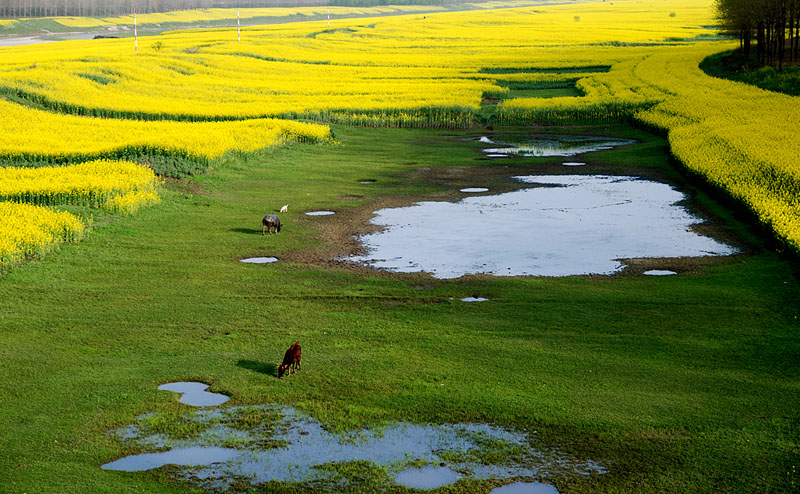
(340, 233)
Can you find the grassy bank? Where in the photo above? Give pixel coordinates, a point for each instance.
(686, 384)
(734, 66)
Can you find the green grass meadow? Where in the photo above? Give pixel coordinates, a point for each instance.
(686, 383)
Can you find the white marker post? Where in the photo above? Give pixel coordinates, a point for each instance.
(238, 26)
(135, 34)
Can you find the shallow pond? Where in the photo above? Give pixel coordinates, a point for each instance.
(566, 225)
(195, 394)
(277, 443)
(540, 145)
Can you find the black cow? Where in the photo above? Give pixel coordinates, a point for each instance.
(270, 221)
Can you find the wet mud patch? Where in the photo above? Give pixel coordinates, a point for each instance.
(666, 266)
(184, 186)
(563, 226)
(256, 445)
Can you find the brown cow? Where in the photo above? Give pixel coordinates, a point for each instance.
(291, 360)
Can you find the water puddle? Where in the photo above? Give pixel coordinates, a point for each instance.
(539, 145)
(566, 225)
(573, 163)
(185, 457)
(368, 181)
(32, 40)
(525, 488)
(195, 394)
(260, 260)
(474, 299)
(320, 213)
(474, 189)
(427, 478)
(260, 444)
(659, 272)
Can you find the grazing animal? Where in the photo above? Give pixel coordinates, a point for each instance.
(284, 208)
(291, 360)
(270, 221)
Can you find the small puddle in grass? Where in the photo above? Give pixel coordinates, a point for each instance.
(272, 443)
(525, 488)
(474, 189)
(540, 145)
(659, 272)
(195, 394)
(573, 163)
(259, 260)
(564, 225)
(474, 299)
(427, 478)
(320, 213)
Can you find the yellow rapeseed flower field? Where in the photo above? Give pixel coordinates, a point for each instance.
(28, 231)
(119, 186)
(27, 133)
(415, 64)
(631, 61)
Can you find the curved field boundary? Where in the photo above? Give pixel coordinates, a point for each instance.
(118, 186)
(431, 117)
(30, 135)
(28, 231)
(741, 139)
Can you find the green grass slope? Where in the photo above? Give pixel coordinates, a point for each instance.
(680, 384)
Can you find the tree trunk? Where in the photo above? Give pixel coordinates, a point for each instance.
(747, 35)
